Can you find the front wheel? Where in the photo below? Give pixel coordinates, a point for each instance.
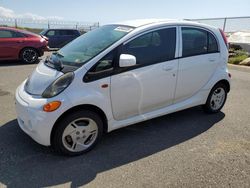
(216, 99)
(77, 133)
(29, 55)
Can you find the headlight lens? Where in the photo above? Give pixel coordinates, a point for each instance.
(58, 85)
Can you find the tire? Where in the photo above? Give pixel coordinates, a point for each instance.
(77, 133)
(216, 99)
(29, 55)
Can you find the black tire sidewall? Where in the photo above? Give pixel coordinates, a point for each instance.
(57, 143)
(207, 106)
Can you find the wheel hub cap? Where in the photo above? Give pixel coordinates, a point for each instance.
(217, 98)
(80, 134)
(29, 55)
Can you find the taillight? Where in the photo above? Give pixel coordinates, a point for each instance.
(224, 38)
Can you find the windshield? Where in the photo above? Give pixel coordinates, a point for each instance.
(87, 46)
(43, 32)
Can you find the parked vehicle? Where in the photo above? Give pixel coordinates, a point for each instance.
(60, 37)
(16, 44)
(121, 74)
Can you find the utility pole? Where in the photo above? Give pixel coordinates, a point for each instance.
(224, 25)
(15, 23)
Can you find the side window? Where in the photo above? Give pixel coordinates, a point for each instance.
(66, 32)
(102, 68)
(6, 34)
(58, 33)
(19, 35)
(63, 32)
(106, 63)
(51, 33)
(154, 47)
(212, 44)
(141, 42)
(70, 32)
(197, 41)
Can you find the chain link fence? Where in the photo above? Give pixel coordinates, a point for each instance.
(38, 25)
(228, 24)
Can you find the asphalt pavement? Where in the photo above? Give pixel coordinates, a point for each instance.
(184, 149)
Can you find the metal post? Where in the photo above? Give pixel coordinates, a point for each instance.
(48, 25)
(76, 25)
(15, 23)
(225, 23)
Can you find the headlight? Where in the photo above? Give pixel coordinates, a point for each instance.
(58, 85)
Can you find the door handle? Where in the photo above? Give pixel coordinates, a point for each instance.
(167, 68)
(211, 60)
(20, 41)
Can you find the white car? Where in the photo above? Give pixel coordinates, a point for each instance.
(121, 74)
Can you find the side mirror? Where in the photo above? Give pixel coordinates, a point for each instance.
(127, 60)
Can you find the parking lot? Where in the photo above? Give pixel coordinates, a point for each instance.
(184, 149)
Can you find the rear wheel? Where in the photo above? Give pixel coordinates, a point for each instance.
(216, 99)
(77, 133)
(29, 55)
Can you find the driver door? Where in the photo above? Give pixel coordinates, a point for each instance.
(150, 84)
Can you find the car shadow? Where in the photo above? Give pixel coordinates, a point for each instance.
(23, 163)
(9, 63)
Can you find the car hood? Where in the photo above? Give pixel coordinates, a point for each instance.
(41, 78)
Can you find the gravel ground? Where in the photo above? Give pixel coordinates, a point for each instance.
(184, 149)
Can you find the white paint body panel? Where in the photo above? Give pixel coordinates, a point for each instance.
(45, 75)
(131, 97)
(144, 89)
(193, 74)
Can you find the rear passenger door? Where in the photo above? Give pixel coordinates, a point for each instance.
(150, 85)
(10, 44)
(199, 59)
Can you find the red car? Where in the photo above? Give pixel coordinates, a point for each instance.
(22, 45)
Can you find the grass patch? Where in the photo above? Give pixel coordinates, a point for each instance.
(237, 59)
(239, 56)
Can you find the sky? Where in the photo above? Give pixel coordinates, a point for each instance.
(106, 11)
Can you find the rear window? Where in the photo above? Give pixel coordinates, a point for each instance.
(197, 42)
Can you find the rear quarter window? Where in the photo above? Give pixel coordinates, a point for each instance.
(197, 42)
(6, 34)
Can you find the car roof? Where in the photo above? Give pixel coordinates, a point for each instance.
(61, 29)
(141, 22)
(10, 28)
(146, 22)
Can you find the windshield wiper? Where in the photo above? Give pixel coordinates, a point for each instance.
(57, 53)
(55, 63)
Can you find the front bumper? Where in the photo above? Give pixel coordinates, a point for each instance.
(43, 49)
(31, 117)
